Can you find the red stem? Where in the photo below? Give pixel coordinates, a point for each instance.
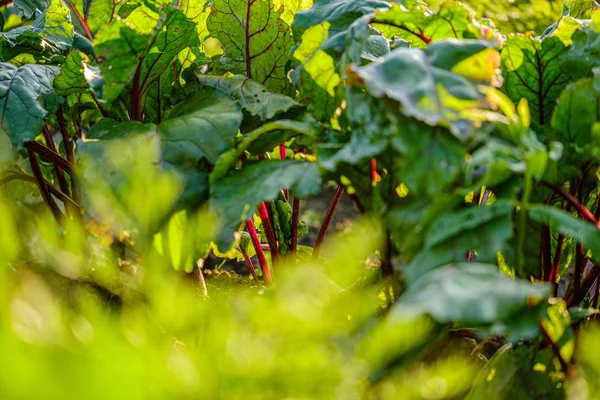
(62, 182)
(39, 177)
(327, 221)
(250, 265)
(82, 20)
(373, 171)
(581, 209)
(269, 232)
(259, 251)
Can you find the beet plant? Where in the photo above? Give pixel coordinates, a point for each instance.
(156, 133)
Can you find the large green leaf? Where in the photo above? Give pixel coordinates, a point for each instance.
(316, 76)
(415, 23)
(236, 196)
(574, 119)
(430, 94)
(121, 48)
(51, 33)
(256, 40)
(139, 49)
(532, 69)
(192, 138)
(479, 295)
(484, 230)
(95, 13)
(26, 95)
(254, 97)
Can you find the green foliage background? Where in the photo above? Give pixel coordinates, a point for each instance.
(139, 137)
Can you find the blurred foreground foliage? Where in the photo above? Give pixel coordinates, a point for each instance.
(86, 315)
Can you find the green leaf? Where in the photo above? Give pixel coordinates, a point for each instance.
(575, 117)
(430, 94)
(26, 95)
(50, 34)
(338, 14)
(139, 49)
(520, 374)
(559, 220)
(415, 23)
(484, 230)
(447, 54)
(532, 70)
(236, 196)
(121, 48)
(272, 133)
(192, 138)
(185, 239)
(77, 75)
(29, 7)
(203, 127)
(316, 76)
(480, 296)
(255, 38)
(95, 13)
(253, 97)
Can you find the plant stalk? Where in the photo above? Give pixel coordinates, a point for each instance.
(39, 177)
(581, 209)
(60, 176)
(250, 265)
(259, 251)
(269, 232)
(327, 221)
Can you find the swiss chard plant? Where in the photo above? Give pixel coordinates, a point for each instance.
(477, 149)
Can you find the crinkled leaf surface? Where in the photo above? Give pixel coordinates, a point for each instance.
(255, 98)
(140, 48)
(122, 49)
(77, 75)
(415, 23)
(532, 70)
(51, 33)
(96, 13)
(256, 40)
(480, 295)
(316, 76)
(26, 96)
